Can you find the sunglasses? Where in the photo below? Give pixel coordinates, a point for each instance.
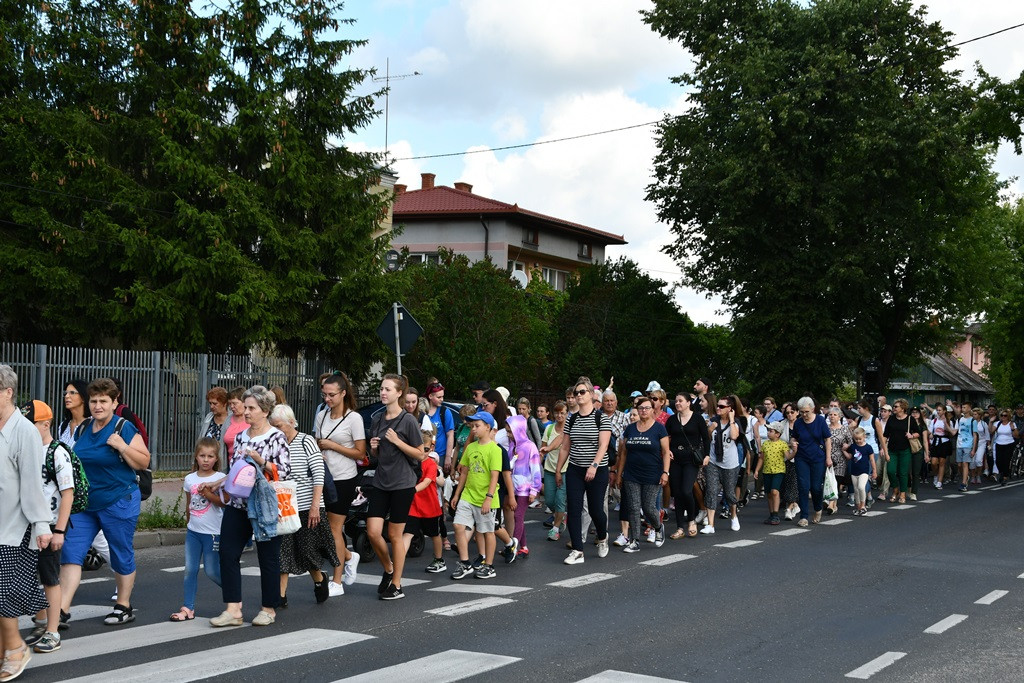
(725, 406)
(580, 392)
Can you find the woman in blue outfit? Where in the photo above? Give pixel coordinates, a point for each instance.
(811, 438)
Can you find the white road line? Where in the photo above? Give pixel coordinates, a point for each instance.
(902, 506)
(667, 559)
(989, 488)
(172, 570)
(876, 665)
(613, 676)
(990, 598)
(930, 500)
(971, 493)
(532, 521)
(790, 532)
(1009, 486)
(946, 624)
(873, 513)
(129, 639)
(78, 613)
(451, 665)
(584, 580)
(98, 579)
(737, 544)
(834, 522)
(209, 663)
(479, 588)
(461, 608)
(1020, 576)
(954, 495)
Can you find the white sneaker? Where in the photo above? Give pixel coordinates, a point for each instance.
(913, 496)
(602, 548)
(935, 481)
(335, 589)
(788, 514)
(708, 530)
(702, 516)
(621, 541)
(575, 557)
(535, 504)
(735, 523)
(938, 485)
(650, 536)
(351, 570)
(796, 512)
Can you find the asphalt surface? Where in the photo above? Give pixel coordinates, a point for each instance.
(808, 606)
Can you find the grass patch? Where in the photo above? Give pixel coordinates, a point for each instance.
(156, 515)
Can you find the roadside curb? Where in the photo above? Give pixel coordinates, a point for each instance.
(154, 539)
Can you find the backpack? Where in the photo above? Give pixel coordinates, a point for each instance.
(143, 477)
(81, 488)
(135, 420)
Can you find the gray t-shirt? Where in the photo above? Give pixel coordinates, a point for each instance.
(394, 468)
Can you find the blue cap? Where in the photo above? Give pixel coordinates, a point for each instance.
(484, 416)
(635, 394)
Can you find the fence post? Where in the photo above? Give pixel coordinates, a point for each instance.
(39, 388)
(154, 410)
(203, 375)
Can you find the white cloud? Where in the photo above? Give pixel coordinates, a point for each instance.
(510, 128)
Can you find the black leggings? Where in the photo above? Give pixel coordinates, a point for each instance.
(576, 486)
(681, 477)
(235, 532)
(1003, 454)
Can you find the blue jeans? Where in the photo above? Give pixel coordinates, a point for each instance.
(810, 476)
(207, 548)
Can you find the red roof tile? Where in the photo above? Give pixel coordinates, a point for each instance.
(442, 200)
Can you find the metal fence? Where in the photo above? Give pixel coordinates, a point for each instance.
(166, 389)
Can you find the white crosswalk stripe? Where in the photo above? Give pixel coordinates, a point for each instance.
(613, 676)
(467, 607)
(209, 663)
(451, 665)
(78, 613)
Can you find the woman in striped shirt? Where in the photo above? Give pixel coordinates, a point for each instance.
(306, 549)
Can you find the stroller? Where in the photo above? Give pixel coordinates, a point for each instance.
(355, 523)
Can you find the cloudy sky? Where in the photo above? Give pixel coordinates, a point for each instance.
(501, 73)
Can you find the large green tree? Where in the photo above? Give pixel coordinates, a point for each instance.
(1003, 329)
(178, 178)
(831, 180)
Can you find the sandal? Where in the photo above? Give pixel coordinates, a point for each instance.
(183, 614)
(903, 499)
(121, 615)
(692, 531)
(892, 498)
(12, 668)
(679, 533)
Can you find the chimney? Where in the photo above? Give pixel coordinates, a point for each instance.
(465, 187)
(400, 189)
(428, 181)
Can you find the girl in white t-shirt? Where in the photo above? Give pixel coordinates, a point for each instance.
(202, 538)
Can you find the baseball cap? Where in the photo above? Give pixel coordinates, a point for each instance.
(776, 427)
(484, 416)
(37, 411)
(504, 393)
(635, 394)
(653, 386)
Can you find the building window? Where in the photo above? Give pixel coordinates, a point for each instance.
(424, 257)
(531, 236)
(556, 278)
(513, 266)
(586, 251)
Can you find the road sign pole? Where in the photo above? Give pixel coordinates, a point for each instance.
(398, 340)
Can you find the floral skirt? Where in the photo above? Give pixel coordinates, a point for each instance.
(20, 593)
(306, 549)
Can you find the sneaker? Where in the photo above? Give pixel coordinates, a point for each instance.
(548, 510)
(788, 514)
(392, 592)
(650, 536)
(631, 547)
(708, 530)
(385, 581)
(913, 496)
(535, 504)
(335, 590)
(283, 602)
(486, 571)
(38, 631)
(351, 570)
(523, 552)
(549, 522)
(602, 548)
(575, 557)
(723, 514)
(463, 570)
(849, 501)
(938, 485)
(511, 551)
(796, 512)
(702, 516)
(321, 591)
(621, 541)
(659, 537)
(735, 523)
(871, 501)
(963, 487)
(65, 619)
(478, 562)
(768, 519)
(935, 482)
(774, 520)
(437, 566)
(553, 534)
(50, 642)
(802, 522)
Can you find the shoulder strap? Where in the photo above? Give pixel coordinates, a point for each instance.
(80, 429)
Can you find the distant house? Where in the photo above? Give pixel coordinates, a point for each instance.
(954, 376)
(453, 217)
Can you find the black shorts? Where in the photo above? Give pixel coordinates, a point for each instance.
(346, 494)
(48, 567)
(391, 504)
(430, 526)
(943, 449)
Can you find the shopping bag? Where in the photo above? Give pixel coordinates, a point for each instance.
(831, 491)
(288, 521)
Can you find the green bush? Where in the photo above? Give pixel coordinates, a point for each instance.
(155, 515)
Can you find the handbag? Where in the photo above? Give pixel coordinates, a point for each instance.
(241, 478)
(288, 520)
(695, 458)
(915, 444)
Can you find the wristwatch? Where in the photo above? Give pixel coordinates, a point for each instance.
(62, 532)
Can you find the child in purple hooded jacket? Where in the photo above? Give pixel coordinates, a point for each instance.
(527, 475)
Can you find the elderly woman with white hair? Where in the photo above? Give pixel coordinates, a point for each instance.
(841, 437)
(267, 447)
(811, 439)
(306, 549)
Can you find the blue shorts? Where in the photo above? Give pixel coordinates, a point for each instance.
(773, 482)
(964, 455)
(118, 525)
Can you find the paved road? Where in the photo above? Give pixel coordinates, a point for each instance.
(855, 597)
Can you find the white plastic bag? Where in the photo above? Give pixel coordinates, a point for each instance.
(831, 491)
(288, 521)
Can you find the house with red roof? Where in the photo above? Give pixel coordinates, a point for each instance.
(479, 227)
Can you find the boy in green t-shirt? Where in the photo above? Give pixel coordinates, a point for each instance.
(472, 501)
(775, 453)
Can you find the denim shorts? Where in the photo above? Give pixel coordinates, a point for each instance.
(963, 455)
(118, 525)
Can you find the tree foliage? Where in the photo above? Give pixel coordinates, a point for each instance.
(1003, 330)
(831, 181)
(178, 179)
